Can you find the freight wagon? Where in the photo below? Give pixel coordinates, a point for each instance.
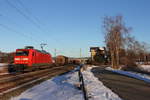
(61, 60)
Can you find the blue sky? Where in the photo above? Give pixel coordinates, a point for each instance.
(67, 25)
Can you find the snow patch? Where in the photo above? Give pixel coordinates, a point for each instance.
(4, 73)
(3, 64)
(144, 67)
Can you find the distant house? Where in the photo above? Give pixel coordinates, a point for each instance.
(2, 55)
(6, 57)
(98, 54)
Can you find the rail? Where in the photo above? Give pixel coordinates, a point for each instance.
(82, 85)
(12, 83)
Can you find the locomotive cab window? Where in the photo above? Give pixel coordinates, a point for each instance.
(33, 53)
(22, 53)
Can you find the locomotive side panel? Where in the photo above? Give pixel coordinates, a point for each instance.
(42, 58)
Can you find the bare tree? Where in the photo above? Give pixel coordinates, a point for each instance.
(115, 33)
(140, 51)
(133, 48)
(145, 50)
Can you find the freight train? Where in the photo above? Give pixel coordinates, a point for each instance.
(61, 60)
(29, 58)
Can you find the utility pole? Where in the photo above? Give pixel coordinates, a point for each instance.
(42, 45)
(80, 53)
(55, 52)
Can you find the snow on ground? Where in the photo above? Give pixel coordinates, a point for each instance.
(57, 88)
(3, 68)
(3, 64)
(136, 75)
(63, 88)
(96, 89)
(144, 67)
(4, 73)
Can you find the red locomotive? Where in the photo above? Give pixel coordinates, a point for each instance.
(30, 58)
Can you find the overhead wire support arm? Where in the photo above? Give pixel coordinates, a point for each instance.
(42, 45)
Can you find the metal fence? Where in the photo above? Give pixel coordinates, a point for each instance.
(82, 85)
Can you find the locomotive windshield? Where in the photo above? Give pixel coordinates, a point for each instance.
(22, 53)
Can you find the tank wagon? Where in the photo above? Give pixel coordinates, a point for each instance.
(30, 58)
(61, 60)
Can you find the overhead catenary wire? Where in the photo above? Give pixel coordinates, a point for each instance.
(29, 12)
(19, 33)
(23, 14)
(34, 22)
(31, 15)
(26, 17)
(14, 23)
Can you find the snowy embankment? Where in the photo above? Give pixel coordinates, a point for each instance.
(63, 88)
(3, 64)
(136, 75)
(3, 68)
(95, 88)
(144, 67)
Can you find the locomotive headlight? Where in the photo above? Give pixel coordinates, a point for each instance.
(17, 58)
(25, 59)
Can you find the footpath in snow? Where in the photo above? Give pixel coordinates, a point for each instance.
(63, 88)
(136, 75)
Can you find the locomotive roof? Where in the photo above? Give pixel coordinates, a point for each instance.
(42, 51)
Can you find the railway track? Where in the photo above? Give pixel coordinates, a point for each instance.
(5, 75)
(8, 76)
(12, 82)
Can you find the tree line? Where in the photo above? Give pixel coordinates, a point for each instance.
(123, 48)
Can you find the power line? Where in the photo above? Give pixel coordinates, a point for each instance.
(35, 22)
(55, 52)
(29, 12)
(35, 18)
(14, 23)
(14, 31)
(28, 17)
(23, 14)
(9, 19)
